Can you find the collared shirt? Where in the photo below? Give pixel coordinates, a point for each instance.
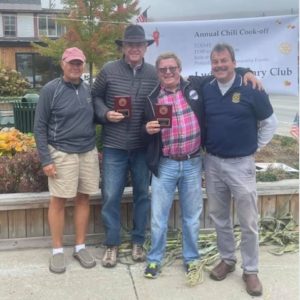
(231, 119)
(134, 68)
(184, 135)
(64, 119)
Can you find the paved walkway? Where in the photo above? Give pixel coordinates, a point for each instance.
(24, 275)
(285, 108)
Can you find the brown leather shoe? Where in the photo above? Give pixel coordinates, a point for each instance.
(253, 284)
(220, 271)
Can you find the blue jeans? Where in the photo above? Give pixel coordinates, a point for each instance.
(186, 176)
(116, 164)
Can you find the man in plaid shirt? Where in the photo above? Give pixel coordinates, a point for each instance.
(173, 156)
(173, 132)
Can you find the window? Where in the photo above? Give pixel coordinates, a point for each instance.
(36, 68)
(9, 25)
(48, 26)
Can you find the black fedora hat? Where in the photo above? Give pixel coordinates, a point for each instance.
(134, 34)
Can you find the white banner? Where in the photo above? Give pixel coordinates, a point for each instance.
(267, 45)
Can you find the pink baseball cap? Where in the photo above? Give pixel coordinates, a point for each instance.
(73, 54)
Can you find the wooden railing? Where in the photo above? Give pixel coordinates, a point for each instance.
(24, 223)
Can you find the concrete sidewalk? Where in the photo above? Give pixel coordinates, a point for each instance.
(24, 275)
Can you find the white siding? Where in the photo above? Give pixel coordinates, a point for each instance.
(1, 26)
(25, 25)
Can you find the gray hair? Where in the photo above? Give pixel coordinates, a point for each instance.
(168, 55)
(222, 47)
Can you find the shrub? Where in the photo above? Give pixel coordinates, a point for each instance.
(12, 83)
(99, 143)
(22, 173)
(13, 141)
(272, 174)
(20, 167)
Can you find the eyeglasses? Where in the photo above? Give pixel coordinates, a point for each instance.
(165, 70)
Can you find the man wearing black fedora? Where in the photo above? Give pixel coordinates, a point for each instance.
(119, 93)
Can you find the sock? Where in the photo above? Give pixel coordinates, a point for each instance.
(57, 250)
(79, 247)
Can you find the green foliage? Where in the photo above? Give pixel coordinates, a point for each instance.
(266, 176)
(275, 174)
(287, 141)
(281, 232)
(12, 83)
(54, 48)
(9, 99)
(99, 144)
(281, 149)
(93, 27)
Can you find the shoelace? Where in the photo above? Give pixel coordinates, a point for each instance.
(110, 252)
(138, 250)
(193, 274)
(191, 268)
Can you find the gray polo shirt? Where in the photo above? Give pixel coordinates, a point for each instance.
(64, 119)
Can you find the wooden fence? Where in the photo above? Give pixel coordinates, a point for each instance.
(24, 223)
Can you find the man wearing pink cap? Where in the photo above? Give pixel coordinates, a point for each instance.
(65, 135)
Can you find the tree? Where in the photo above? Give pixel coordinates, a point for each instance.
(93, 26)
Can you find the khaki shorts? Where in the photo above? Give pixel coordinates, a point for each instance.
(74, 173)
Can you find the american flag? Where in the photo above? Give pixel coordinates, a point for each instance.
(295, 127)
(143, 17)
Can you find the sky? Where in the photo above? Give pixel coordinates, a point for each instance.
(215, 9)
(173, 10)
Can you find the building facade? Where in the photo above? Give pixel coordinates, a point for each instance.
(21, 23)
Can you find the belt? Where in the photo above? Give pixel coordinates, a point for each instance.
(216, 155)
(223, 157)
(184, 156)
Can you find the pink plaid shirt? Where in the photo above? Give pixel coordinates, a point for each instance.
(184, 135)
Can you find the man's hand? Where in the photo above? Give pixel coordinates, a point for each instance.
(256, 84)
(152, 127)
(113, 116)
(50, 170)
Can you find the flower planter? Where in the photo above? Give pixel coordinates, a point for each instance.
(23, 216)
